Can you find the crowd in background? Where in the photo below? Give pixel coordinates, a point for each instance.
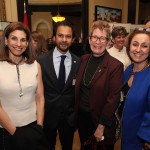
(45, 92)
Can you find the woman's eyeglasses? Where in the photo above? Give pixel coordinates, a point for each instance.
(101, 38)
(142, 29)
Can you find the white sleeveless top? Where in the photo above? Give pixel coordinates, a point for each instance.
(21, 110)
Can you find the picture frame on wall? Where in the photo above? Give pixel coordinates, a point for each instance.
(108, 14)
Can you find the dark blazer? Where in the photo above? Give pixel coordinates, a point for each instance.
(104, 92)
(58, 104)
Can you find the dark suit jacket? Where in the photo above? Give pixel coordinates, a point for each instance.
(104, 92)
(58, 104)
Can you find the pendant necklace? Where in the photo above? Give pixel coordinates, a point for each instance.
(84, 76)
(18, 75)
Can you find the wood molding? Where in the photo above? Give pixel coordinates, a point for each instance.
(2, 10)
(53, 2)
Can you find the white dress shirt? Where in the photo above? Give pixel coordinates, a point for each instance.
(57, 59)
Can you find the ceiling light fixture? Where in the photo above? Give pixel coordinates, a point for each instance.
(58, 17)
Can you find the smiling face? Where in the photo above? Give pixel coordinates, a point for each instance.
(140, 48)
(119, 41)
(63, 38)
(98, 47)
(16, 43)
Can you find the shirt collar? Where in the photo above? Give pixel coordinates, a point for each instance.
(58, 54)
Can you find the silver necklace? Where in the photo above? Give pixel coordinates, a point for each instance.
(84, 82)
(18, 75)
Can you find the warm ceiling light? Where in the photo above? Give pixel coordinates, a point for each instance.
(58, 17)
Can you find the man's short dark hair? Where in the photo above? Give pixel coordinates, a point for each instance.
(63, 23)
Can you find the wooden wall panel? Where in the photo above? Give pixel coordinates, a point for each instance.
(2, 11)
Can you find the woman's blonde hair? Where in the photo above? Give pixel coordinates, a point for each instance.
(102, 25)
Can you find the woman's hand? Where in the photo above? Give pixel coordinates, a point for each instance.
(99, 132)
(5, 121)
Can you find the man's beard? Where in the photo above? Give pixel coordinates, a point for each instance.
(60, 46)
